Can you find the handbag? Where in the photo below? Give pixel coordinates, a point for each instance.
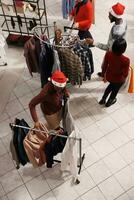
(34, 144)
(131, 83)
(124, 88)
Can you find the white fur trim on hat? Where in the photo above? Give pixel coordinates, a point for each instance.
(58, 84)
(114, 14)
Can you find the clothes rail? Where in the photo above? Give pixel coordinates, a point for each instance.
(53, 132)
(37, 29)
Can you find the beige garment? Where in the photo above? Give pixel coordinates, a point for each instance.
(53, 120)
(34, 144)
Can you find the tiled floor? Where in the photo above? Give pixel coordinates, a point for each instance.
(107, 133)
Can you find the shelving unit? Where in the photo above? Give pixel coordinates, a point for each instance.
(20, 32)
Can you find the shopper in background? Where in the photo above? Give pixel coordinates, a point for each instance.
(115, 71)
(51, 99)
(118, 29)
(82, 15)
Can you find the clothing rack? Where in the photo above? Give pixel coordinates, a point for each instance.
(36, 32)
(53, 132)
(19, 22)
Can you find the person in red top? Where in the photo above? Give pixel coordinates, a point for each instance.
(51, 99)
(115, 71)
(82, 14)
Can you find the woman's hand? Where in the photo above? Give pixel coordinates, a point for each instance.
(37, 125)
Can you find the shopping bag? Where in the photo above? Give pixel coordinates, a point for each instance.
(34, 144)
(131, 83)
(124, 88)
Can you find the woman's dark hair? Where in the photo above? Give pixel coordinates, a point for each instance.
(119, 46)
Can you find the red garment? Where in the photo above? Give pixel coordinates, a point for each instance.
(50, 100)
(84, 16)
(116, 67)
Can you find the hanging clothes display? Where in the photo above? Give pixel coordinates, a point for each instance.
(71, 65)
(46, 62)
(16, 144)
(85, 53)
(32, 51)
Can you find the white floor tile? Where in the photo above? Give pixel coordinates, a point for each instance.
(90, 157)
(131, 193)
(28, 172)
(6, 164)
(123, 197)
(11, 180)
(14, 107)
(54, 177)
(120, 116)
(20, 193)
(4, 198)
(99, 172)
(126, 178)
(2, 148)
(107, 125)
(86, 183)
(114, 162)
(92, 133)
(48, 196)
(25, 99)
(22, 90)
(127, 152)
(117, 138)
(37, 187)
(2, 192)
(103, 147)
(93, 194)
(110, 188)
(83, 120)
(34, 84)
(128, 129)
(65, 191)
(6, 141)
(4, 128)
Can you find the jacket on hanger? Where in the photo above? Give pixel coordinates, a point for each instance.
(32, 50)
(85, 54)
(55, 146)
(46, 63)
(18, 136)
(71, 65)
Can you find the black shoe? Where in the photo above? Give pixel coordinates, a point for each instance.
(19, 20)
(110, 102)
(12, 23)
(102, 101)
(100, 74)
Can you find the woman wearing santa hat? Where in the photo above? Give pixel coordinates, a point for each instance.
(51, 99)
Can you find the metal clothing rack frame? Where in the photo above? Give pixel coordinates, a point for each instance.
(41, 12)
(37, 28)
(52, 132)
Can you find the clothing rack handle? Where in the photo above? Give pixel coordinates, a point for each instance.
(52, 132)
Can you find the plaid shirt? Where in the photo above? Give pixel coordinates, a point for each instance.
(86, 57)
(71, 65)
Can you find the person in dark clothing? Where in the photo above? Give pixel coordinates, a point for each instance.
(115, 71)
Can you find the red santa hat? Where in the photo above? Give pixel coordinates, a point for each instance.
(117, 10)
(58, 79)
